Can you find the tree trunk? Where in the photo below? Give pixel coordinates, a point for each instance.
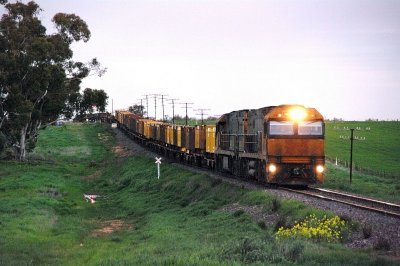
(22, 143)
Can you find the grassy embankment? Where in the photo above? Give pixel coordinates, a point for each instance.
(141, 220)
(380, 152)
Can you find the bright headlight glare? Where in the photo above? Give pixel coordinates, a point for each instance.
(272, 168)
(297, 114)
(320, 169)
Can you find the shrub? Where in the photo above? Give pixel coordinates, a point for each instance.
(316, 229)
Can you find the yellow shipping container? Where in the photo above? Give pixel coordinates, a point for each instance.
(147, 123)
(178, 136)
(200, 137)
(120, 115)
(210, 139)
(170, 135)
(158, 132)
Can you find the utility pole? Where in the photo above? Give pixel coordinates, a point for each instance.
(186, 107)
(351, 152)
(352, 138)
(155, 104)
(201, 110)
(141, 107)
(162, 103)
(173, 110)
(147, 105)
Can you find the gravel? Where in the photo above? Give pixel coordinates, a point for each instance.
(384, 230)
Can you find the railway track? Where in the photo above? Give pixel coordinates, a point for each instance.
(374, 205)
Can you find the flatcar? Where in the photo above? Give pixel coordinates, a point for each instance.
(275, 144)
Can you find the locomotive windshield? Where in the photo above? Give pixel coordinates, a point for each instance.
(288, 128)
(281, 128)
(310, 128)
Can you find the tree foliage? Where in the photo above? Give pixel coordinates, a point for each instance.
(137, 109)
(90, 101)
(38, 77)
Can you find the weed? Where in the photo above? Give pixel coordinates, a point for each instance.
(247, 250)
(238, 213)
(276, 204)
(367, 231)
(262, 225)
(291, 249)
(311, 227)
(280, 223)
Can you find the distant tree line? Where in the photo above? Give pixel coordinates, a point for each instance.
(39, 81)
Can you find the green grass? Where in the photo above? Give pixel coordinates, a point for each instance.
(176, 220)
(380, 152)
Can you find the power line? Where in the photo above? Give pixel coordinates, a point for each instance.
(201, 110)
(162, 103)
(147, 105)
(186, 107)
(352, 138)
(141, 106)
(173, 109)
(155, 104)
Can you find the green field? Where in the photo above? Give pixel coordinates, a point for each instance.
(376, 159)
(140, 220)
(380, 151)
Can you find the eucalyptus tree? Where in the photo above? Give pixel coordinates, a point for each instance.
(90, 101)
(38, 78)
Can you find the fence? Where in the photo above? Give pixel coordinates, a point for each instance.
(361, 169)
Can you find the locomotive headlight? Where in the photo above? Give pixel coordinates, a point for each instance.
(320, 169)
(297, 113)
(272, 168)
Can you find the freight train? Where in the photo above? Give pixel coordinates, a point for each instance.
(275, 144)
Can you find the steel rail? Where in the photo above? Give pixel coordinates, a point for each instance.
(362, 202)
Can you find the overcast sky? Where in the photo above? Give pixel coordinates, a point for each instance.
(341, 57)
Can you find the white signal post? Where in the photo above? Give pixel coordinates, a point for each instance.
(158, 162)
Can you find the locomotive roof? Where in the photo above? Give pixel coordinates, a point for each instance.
(277, 112)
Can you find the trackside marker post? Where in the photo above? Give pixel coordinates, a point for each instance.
(158, 162)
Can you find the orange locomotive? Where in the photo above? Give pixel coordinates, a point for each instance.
(276, 144)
